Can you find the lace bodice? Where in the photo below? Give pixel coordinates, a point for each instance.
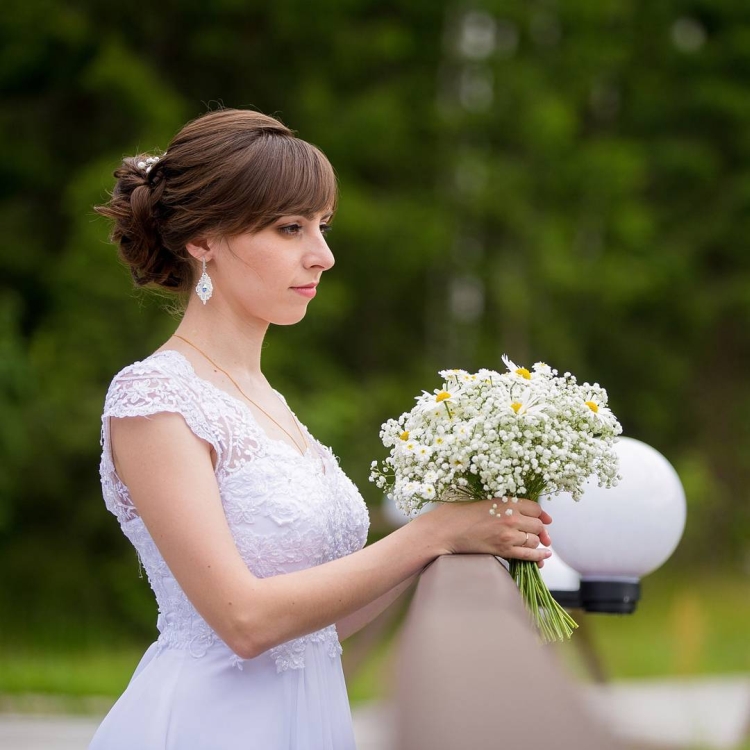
(286, 511)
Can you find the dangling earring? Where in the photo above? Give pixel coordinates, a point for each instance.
(205, 287)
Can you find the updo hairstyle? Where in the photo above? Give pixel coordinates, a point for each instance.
(228, 172)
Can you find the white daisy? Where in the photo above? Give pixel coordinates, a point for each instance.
(527, 403)
(514, 369)
(598, 409)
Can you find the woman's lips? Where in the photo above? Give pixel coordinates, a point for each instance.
(308, 291)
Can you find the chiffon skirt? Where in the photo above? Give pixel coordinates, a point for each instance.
(178, 702)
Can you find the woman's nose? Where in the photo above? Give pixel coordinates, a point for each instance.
(321, 254)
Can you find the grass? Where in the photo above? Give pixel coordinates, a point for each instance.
(685, 625)
(73, 672)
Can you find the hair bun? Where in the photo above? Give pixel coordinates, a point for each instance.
(134, 209)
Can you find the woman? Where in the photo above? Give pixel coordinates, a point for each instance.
(251, 535)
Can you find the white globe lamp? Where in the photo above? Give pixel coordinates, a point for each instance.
(614, 537)
(563, 582)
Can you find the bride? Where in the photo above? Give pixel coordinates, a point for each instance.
(252, 537)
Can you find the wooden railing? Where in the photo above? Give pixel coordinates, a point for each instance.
(471, 674)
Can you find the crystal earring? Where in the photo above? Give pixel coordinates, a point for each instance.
(205, 287)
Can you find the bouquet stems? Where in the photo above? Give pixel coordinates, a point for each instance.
(554, 623)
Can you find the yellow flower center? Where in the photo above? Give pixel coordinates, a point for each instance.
(442, 396)
(593, 406)
(404, 435)
(516, 405)
(524, 373)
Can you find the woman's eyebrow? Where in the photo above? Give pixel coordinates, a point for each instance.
(312, 217)
(309, 216)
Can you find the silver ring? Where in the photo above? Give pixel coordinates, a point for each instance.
(525, 540)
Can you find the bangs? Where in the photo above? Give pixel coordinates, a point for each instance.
(307, 179)
(285, 176)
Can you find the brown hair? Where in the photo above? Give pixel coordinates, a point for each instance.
(227, 172)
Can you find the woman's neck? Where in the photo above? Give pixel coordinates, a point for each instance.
(233, 343)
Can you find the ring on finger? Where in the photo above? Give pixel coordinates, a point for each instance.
(525, 540)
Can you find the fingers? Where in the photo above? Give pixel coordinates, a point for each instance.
(533, 555)
(528, 540)
(521, 530)
(528, 508)
(524, 523)
(515, 517)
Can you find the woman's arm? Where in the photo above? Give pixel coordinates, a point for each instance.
(169, 474)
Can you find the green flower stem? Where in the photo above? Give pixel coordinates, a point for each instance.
(554, 623)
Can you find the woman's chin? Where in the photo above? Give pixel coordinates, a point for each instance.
(290, 319)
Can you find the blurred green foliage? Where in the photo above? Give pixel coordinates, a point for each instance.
(567, 182)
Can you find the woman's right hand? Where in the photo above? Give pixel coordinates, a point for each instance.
(516, 529)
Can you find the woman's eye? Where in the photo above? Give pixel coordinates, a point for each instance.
(294, 229)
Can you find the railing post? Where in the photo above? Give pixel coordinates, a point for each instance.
(472, 675)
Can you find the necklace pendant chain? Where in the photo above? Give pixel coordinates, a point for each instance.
(254, 403)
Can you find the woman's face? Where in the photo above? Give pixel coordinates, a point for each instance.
(271, 275)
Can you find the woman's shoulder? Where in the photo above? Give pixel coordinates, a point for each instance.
(163, 382)
(162, 363)
(162, 378)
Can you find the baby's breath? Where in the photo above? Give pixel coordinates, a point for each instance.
(521, 433)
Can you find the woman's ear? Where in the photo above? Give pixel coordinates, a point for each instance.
(201, 248)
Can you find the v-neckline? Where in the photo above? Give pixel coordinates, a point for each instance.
(246, 407)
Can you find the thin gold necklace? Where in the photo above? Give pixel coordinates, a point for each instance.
(254, 403)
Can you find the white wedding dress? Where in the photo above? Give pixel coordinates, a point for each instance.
(286, 512)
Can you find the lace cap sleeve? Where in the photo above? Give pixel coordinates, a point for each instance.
(158, 384)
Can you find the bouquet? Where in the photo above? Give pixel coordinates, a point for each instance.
(520, 434)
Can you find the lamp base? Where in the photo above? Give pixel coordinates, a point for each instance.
(610, 597)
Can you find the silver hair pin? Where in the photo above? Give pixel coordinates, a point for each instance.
(148, 164)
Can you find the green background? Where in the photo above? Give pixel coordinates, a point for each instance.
(567, 182)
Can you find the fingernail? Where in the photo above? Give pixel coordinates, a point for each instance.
(548, 553)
